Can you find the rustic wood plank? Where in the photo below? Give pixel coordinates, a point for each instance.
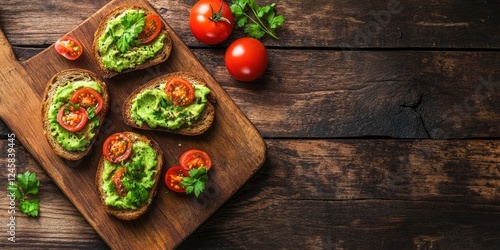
(365, 194)
(398, 94)
(340, 24)
(363, 224)
(403, 194)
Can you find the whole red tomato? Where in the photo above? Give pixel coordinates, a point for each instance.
(211, 21)
(246, 59)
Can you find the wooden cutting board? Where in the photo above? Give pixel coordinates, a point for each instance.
(236, 147)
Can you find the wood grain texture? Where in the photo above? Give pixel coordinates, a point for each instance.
(340, 24)
(397, 94)
(364, 194)
(162, 227)
(404, 194)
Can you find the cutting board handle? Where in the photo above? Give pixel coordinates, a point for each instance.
(6, 52)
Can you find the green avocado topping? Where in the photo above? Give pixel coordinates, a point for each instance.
(137, 180)
(152, 107)
(120, 33)
(71, 141)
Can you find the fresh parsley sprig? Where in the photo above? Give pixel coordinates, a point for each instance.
(27, 184)
(137, 193)
(196, 181)
(264, 20)
(133, 24)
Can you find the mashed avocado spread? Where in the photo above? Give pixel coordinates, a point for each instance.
(143, 159)
(152, 107)
(71, 141)
(113, 58)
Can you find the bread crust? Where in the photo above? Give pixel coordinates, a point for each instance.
(160, 56)
(58, 80)
(202, 124)
(129, 214)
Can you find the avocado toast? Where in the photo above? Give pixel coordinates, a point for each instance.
(120, 47)
(63, 114)
(128, 174)
(148, 107)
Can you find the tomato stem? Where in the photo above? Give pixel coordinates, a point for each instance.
(217, 16)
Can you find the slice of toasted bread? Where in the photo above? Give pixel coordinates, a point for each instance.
(160, 56)
(129, 214)
(61, 79)
(202, 124)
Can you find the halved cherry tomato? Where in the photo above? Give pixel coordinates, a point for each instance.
(179, 91)
(68, 47)
(117, 180)
(173, 178)
(117, 147)
(71, 118)
(152, 27)
(194, 159)
(88, 97)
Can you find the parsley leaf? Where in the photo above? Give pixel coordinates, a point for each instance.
(27, 183)
(137, 193)
(132, 25)
(195, 182)
(254, 30)
(91, 112)
(263, 19)
(30, 207)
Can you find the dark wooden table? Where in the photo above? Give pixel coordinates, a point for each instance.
(381, 120)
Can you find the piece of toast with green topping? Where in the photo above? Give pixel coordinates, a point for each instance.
(148, 107)
(60, 112)
(118, 45)
(128, 174)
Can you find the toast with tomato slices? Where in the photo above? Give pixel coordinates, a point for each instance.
(62, 79)
(159, 57)
(199, 126)
(131, 214)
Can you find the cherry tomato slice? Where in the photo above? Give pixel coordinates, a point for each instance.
(173, 178)
(152, 27)
(88, 97)
(68, 47)
(71, 118)
(117, 148)
(194, 159)
(117, 180)
(179, 91)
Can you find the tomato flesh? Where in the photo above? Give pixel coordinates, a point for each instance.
(179, 91)
(71, 118)
(152, 27)
(68, 47)
(117, 180)
(246, 59)
(211, 21)
(194, 159)
(88, 97)
(173, 178)
(117, 148)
